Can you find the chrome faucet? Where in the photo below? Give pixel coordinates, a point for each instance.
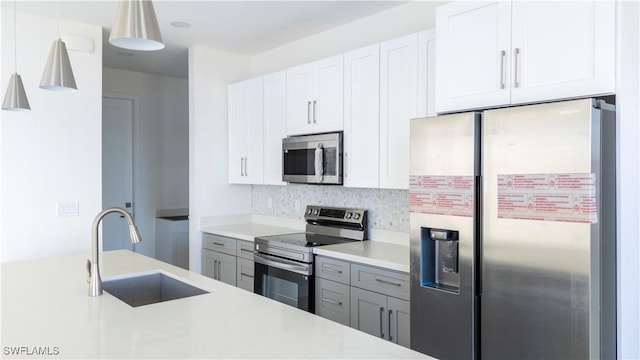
(95, 282)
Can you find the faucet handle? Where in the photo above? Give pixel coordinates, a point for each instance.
(88, 270)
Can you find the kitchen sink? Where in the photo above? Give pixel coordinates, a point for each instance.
(149, 288)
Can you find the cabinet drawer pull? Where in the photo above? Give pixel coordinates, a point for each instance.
(388, 282)
(332, 271)
(247, 275)
(217, 243)
(332, 302)
(389, 329)
(515, 60)
(308, 112)
(248, 251)
(381, 329)
(502, 56)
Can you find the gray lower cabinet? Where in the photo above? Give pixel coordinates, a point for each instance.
(380, 315)
(219, 266)
(332, 301)
(398, 315)
(244, 274)
(368, 312)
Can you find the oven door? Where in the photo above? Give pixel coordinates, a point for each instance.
(312, 159)
(286, 281)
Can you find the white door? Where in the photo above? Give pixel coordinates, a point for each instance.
(557, 58)
(253, 167)
(117, 170)
(299, 94)
(472, 56)
(237, 127)
(327, 104)
(426, 73)
(275, 126)
(398, 105)
(362, 117)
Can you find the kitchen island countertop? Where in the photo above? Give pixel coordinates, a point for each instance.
(45, 308)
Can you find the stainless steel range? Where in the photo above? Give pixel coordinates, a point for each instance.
(284, 263)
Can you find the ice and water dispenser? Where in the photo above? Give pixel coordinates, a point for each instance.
(440, 260)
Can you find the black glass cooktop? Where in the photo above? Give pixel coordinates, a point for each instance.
(306, 239)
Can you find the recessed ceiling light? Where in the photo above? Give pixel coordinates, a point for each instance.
(125, 53)
(180, 24)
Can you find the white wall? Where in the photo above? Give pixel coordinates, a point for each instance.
(628, 165)
(161, 150)
(210, 72)
(395, 22)
(52, 153)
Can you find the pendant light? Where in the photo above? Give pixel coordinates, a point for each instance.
(15, 99)
(136, 27)
(58, 75)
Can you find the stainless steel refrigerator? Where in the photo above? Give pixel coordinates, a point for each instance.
(512, 217)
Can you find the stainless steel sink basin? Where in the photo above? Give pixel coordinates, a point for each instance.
(150, 288)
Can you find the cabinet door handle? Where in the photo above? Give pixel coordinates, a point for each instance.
(515, 60)
(219, 270)
(502, 56)
(388, 282)
(332, 302)
(332, 271)
(241, 166)
(381, 327)
(346, 162)
(246, 166)
(315, 113)
(308, 112)
(389, 328)
(215, 269)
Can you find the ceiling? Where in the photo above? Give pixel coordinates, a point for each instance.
(245, 27)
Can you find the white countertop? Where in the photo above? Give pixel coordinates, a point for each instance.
(248, 231)
(45, 304)
(375, 253)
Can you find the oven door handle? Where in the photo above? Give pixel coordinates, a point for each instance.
(283, 264)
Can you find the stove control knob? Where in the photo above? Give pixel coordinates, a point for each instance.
(316, 212)
(356, 216)
(309, 211)
(348, 215)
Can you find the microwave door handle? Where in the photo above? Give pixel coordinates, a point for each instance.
(319, 163)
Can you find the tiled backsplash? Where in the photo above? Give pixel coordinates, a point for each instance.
(388, 209)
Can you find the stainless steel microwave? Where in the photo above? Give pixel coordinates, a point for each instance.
(312, 159)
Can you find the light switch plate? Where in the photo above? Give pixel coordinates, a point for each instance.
(65, 209)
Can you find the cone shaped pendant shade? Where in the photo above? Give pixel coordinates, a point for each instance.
(58, 74)
(15, 98)
(136, 27)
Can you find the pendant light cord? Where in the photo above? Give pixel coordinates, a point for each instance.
(15, 37)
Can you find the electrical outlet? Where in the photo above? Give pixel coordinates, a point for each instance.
(269, 202)
(65, 209)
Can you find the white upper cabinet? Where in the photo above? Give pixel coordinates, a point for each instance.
(499, 53)
(315, 97)
(275, 126)
(473, 39)
(426, 73)
(562, 49)
(361, 117)
(245, 125)
(398, 104)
